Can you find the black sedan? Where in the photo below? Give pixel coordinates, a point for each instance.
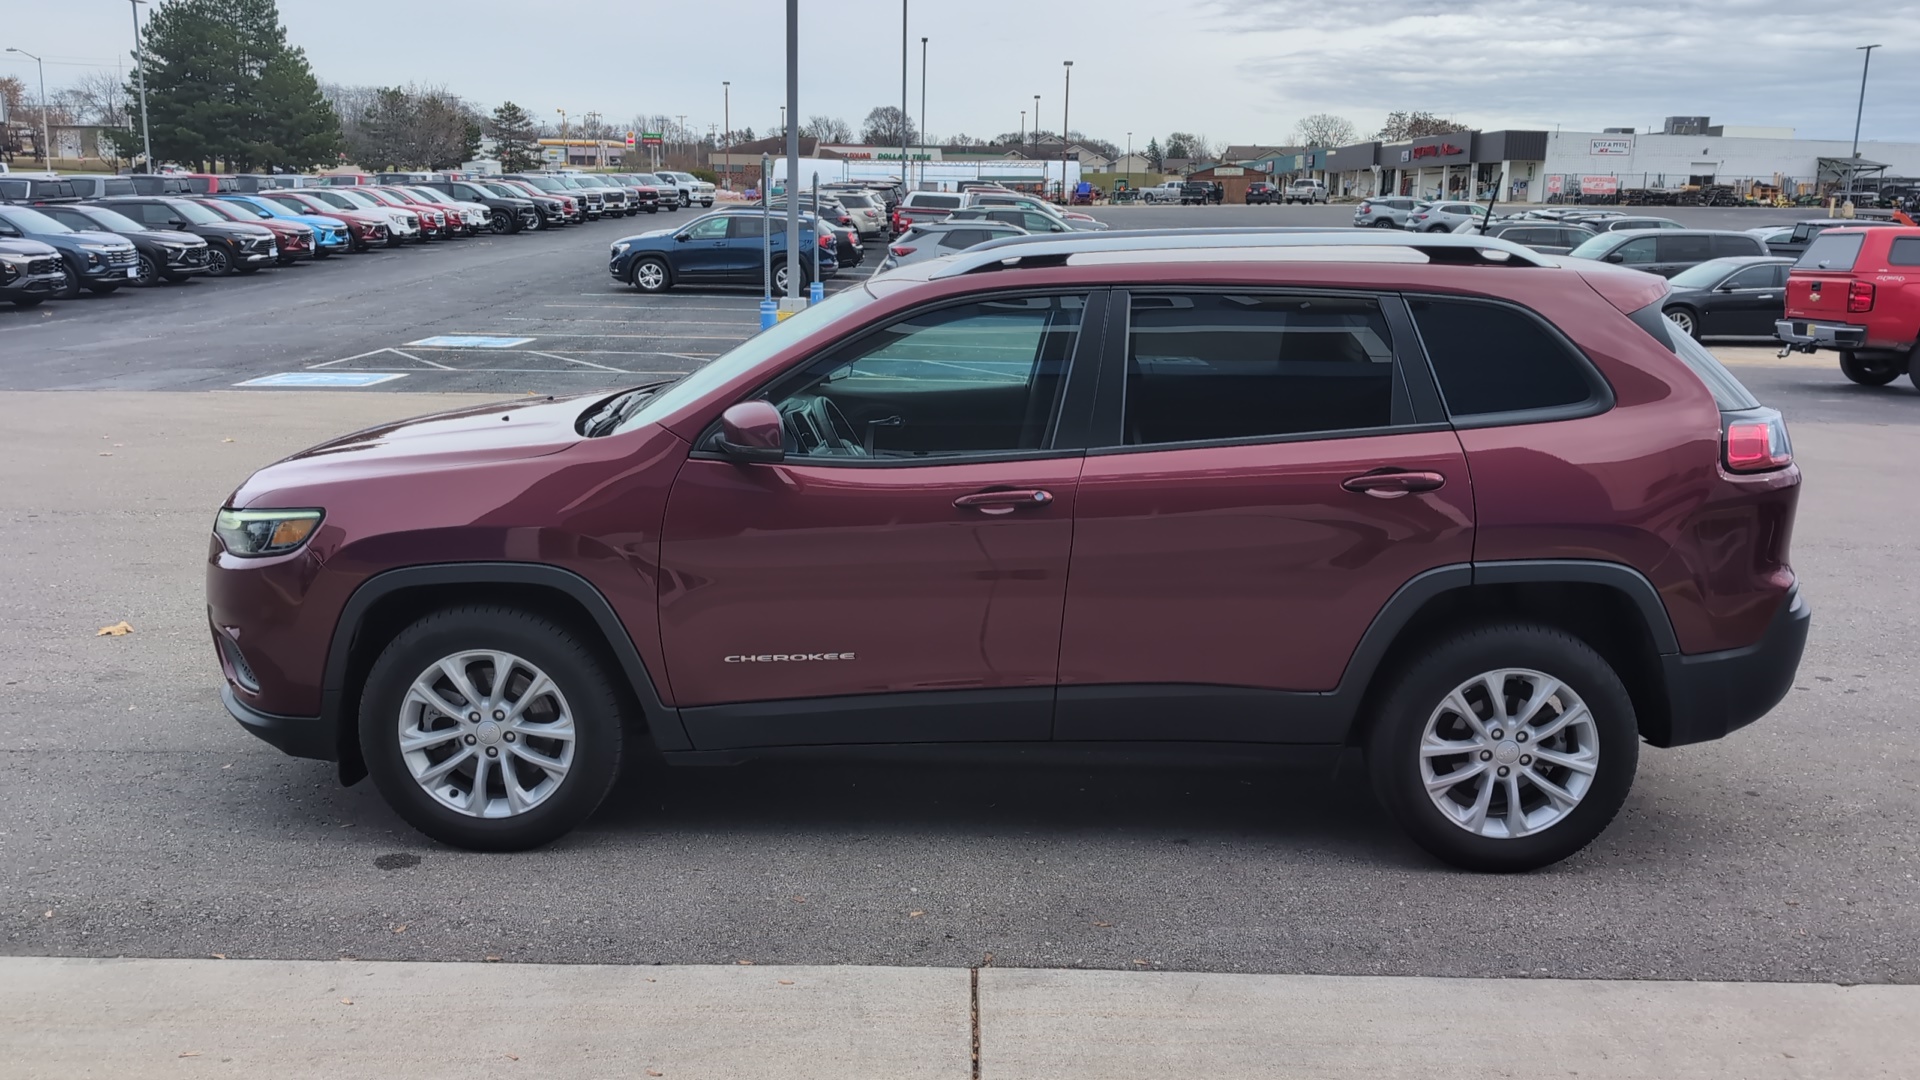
(1729, 297)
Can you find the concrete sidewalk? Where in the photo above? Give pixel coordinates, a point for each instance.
(130, 1019)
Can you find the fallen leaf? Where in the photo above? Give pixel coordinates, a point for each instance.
(218, 955)
(915, 914)
(226, 440)
(510, 1057)
(799, 899)
(785, 982)
(49, 913)
(744, 963)
(346, 1001)
(228, 765)
(189, 1053)
(1102, 925)
(493, 959)
(106, 453)
(119, 629)
(1144, 963)
(401, 929)
(655, 1072)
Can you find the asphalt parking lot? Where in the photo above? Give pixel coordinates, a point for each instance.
(140, 820)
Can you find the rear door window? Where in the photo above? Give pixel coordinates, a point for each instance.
(1832, 251)
(1724, 246)
(1206, 366)
(1674, 249)
(1905, 251)
(1753, 277)
(1491, 359)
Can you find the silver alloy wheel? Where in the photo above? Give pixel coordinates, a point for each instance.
(149, 273)
(649, 275)
(486, 733)
(1681, 318)
(1509, 753)
(780, 280)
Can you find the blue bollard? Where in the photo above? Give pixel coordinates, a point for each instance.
(815, 293)
(769, 313)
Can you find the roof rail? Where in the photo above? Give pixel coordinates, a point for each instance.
(1048, 249)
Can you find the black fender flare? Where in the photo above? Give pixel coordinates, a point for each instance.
(663, 720)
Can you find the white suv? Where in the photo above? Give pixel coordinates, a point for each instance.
(1306, 191)
(692, 188)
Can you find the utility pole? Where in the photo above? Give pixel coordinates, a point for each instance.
(1129, 159)
(1023, 127)
(904, 179)
(726, 120)
(1065, 104)
(923, 106)
(1036, 123)
(46, 141)
(684, 141)
(140, 66)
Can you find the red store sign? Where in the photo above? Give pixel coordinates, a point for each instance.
(1599, 185)
(1439, 150)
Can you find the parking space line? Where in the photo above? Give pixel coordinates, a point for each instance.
(568, 359)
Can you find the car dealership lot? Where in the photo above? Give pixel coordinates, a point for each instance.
(143, 821)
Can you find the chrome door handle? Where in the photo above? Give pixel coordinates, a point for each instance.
(1392, 485)
(1003, 502)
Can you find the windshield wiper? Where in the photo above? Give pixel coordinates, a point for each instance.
(618, 408)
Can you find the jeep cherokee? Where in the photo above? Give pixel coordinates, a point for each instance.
(1480, 514)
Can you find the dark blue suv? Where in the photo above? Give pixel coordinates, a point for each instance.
(722, 248)
(98, 261)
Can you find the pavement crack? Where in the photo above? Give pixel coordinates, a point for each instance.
(973, 1009)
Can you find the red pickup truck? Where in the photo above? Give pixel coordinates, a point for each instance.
(1857, 291)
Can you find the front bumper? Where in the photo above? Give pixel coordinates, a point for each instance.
(1712, 694)
(300, 736)
(32, 285)
(1811, 334)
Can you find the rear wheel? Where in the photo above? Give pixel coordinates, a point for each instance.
(1878, 372)
(491, 728)
(1684, 319)
(1504, 748)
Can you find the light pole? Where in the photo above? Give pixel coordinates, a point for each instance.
(795, 266)
(726, 122)
(903, 95)
(1023, 127)
(1129, 160)
(1066, 103)
(1858, 109)
(1036, 122)
(688, 143)
(46, 141)
(923, 104)
(140, 66)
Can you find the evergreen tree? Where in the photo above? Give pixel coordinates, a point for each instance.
(1156, 157)
(223, 85)
(515, 139)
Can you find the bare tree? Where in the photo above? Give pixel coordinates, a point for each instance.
(1401, 126)
(1325, 129)
(827, 129)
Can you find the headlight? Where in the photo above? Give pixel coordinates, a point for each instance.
(621, 248)
(253, 533)
(102, 248)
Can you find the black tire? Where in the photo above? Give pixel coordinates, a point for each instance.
(104, 290)
(219, 260)
(149, 272)
(70, 287)
(659, 281)
(1685, 318)
(502, 223)
(1430, 675)
(28, 301)
(577, 671)
(321, 253)
(779, 268)
(1870, 372)
(1913, 367)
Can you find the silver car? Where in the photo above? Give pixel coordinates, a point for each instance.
(869, 213)
(1384, 212)
(937, 238)
(1443, 216)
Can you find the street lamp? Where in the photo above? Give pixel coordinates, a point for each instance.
(46, 140)
(1066, 103)
(1865, 60)
(1129, 159)
(1023, 127)
(140, 66)
(923, 105)
(1036, 122)
(726, 121)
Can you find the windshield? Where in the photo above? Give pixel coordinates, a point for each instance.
(249, 208)
(541, 182)
(747, 354)
(195, 213)
(1595, 248)
(113, 220)
(32, 220)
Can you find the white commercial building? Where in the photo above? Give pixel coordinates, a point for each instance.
(1602, 162)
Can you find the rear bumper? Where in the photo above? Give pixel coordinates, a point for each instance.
(1813, 334)
(300, 736)
(1712, 694)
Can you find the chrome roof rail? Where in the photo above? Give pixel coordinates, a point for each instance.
(1050, 249)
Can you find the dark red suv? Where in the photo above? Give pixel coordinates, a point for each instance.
(1480, 514)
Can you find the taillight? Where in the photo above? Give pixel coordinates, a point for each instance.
(901, 251)
(905, 221)
(1365, 209)
(826, 241)
(1860, 296)
(1756, 441)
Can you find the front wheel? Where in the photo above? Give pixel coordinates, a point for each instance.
(149, 272)
(69, 283)
(1869, 372)
(650, 275)
(491, 728)
(501, 223)
(219, 261)
(1684, 320)
(779, 279)
(1504, 748)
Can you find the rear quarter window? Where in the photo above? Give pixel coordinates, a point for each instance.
(1494, 360)
(936, 202)
(1832, 251)
(1905, 251)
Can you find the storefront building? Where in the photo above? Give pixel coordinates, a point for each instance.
(1471, 165)
(1353, 171)
(1609, 164)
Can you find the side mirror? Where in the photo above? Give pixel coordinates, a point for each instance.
(682, 237)
(751, 431)
(1616, 257)
(1057, 227)
(176, 223)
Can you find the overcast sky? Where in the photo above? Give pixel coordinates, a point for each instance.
(1236, 70)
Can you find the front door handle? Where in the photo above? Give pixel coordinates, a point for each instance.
(1003, 502)
(1392, 485)
(1764, 296)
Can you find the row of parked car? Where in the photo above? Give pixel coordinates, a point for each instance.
(60, 236)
